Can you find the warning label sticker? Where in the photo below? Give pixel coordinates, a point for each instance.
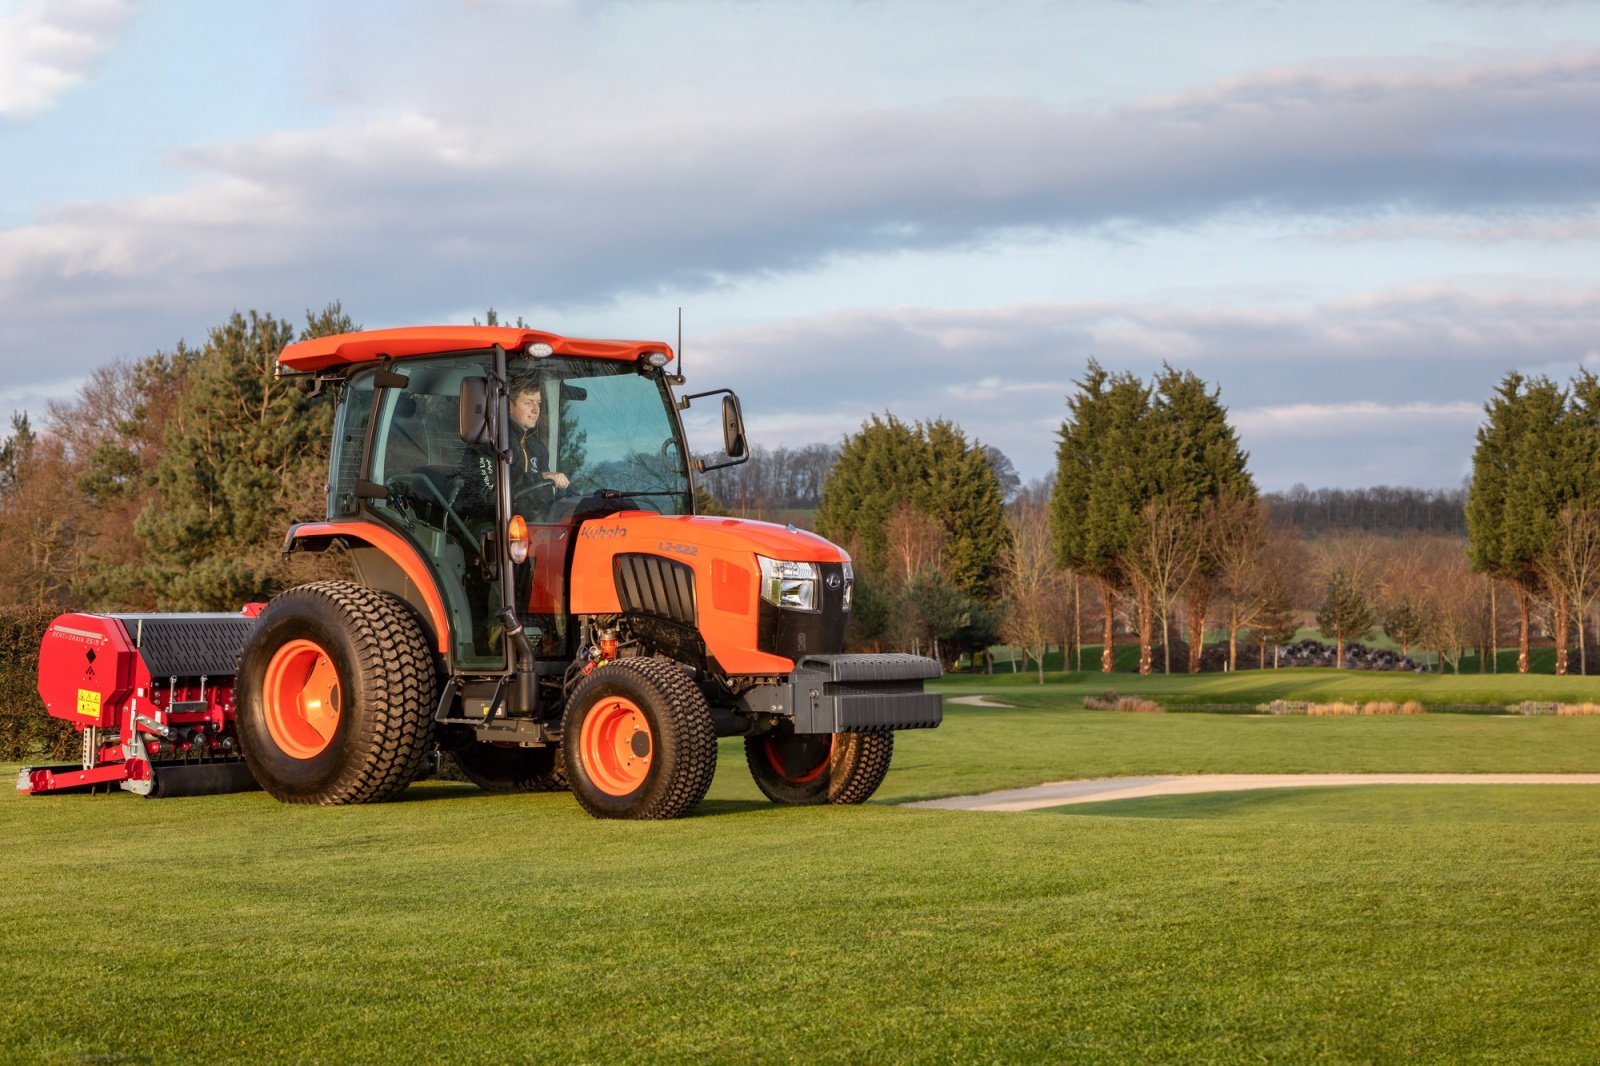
(89, 703)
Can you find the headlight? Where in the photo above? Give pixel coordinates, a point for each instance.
(849, 585)
(789, 584)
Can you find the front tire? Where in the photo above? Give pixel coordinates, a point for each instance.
(638, 741)
(809, 768)
(336, 688)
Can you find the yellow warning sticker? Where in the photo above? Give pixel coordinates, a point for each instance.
(89, 703)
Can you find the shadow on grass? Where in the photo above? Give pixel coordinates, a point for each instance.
(1204, 805)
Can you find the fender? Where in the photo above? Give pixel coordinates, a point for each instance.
(317, 536)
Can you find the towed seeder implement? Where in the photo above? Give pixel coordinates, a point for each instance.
(153, 697)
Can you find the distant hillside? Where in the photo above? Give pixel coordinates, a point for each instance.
(1382, 509)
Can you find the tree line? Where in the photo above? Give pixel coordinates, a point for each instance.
(166, 483)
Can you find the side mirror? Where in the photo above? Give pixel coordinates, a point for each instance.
(473, 412)
(733, 427)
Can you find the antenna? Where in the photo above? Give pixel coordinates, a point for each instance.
(680, 342)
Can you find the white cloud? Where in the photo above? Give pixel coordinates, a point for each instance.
(1364, 416)
(48, 46)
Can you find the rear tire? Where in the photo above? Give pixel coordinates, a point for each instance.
(638, 741)
(809, 768)
(335, 693)
(497, 768)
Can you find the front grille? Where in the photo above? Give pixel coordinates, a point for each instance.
(656, 586)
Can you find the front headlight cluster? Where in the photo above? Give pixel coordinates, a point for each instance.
(797, 585)
(789, 584)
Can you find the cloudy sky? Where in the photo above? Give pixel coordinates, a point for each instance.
(1353, 217)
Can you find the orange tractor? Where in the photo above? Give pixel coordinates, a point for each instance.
(534, 596)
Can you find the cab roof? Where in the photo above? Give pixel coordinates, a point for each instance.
(347, 349)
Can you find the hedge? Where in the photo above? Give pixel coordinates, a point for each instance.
(26, 732)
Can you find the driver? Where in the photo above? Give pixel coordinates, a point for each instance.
(530, 454)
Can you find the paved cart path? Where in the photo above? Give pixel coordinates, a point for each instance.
(1063, 793)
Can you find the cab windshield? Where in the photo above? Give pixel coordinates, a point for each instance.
(601, 431)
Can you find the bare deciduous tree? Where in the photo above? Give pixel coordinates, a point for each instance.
(1570, 569)
(1161, 563)
(1032, 585)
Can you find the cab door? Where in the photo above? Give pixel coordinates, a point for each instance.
(439, 494)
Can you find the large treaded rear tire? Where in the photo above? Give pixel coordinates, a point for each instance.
(381, 681)
(638, 741)
(497, 768)
(800, 769)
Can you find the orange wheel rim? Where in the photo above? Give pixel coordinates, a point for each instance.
(802, 774)
(616, 745)
(300, 699)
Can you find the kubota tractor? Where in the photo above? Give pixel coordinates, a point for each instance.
(540, 603)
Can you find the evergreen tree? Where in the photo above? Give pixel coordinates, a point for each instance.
(1404, 622)
(1521, 474)
(1205, 464)
(1345, 615)
(1094, 505)
(15, 453)
(938, 472)
(245, 455)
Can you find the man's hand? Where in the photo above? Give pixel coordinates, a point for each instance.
(557, 477)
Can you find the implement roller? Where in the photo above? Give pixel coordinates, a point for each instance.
(153, 698)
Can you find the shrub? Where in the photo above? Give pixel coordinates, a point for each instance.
(1110, 701)
(1372, 707)
(1284, 707)
(26, 731)
(1548, 707)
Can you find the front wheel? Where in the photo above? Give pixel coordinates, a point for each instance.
(638, 741)
(335, 695)
(810, 768)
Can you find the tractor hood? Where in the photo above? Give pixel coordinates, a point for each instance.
(702, 573)
(676, 535)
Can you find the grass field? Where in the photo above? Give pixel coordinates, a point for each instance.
(1388, 924)
(1249, 688)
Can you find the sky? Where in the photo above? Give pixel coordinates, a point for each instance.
(1352, 218)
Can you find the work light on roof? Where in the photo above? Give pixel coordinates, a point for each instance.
(540, 350)
(656, 359)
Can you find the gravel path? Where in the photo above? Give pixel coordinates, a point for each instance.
(1063, 793)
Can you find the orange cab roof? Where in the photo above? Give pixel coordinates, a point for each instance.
(343, 349)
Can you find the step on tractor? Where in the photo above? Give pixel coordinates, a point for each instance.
(534, 599)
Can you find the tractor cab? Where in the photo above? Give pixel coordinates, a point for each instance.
(431, 450)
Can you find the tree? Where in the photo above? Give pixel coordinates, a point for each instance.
(1569, 566)
(1031, 583)
(1200, 461)
(1236, 537)
(1161, 563)
(244, 456)
(934, 469)
(1345, 615)
(1094, 502)
(1281, 570)
(1404, 621)
(1520, 476)
(39, 520)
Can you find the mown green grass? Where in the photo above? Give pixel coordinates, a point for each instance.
(1389, 924)
(1255, 687)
